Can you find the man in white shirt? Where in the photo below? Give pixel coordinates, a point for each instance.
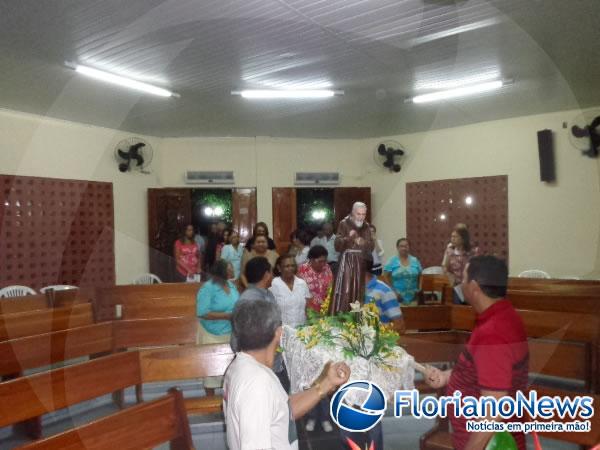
(258, 413)
(326, 238)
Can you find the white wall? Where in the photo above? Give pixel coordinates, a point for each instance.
(264, 162)
(554, 227)
(38, 146)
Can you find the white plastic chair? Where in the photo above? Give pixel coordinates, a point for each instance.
(16, 291)
(433, 270)
(147, 278)
(534, 273)
(57, 287)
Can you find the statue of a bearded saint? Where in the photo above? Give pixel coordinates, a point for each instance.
(355, 244)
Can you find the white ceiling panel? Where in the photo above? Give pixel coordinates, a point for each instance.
(378, 51)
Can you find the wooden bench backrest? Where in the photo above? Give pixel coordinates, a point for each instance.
(155, 332)
(427, 317)
(30, 323)
(433, 282)
(146, 301)
(39, 301)
(543, 301)
(148, 308)
(41, 350)
(434, 346)
(142, 426)
(516, 282)
(181, 363)
(35, 395)
(539, 324)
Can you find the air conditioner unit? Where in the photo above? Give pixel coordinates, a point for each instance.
(317, 178)
(211, 177)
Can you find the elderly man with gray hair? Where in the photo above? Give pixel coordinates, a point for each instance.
(355, 244)
(258, 412)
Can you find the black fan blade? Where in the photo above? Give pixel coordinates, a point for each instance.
(125, 155)
(381, 149)
(580, 132)
(139, 158)
(134, 153)
(135, 147)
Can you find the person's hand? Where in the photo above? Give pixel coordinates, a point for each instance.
(359, 241)
(333, 375)
(435, 377)
(352, 233)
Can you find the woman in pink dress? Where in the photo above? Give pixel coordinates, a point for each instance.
(187, 256)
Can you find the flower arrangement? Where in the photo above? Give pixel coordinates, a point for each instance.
(358, 333)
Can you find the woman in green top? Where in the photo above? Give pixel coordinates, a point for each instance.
(214, 304)
(402, 272)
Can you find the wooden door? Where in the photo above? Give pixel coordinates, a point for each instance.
(284, 217)
(243, 211)
(169, 211)
(344, 198)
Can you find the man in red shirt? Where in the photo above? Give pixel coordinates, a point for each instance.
(495, 360)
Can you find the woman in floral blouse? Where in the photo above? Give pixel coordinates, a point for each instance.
(458, 253)
(317, 274)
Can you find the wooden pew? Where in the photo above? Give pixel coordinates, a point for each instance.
(560, 344)
(545, 301)
(159, 365)
(147, 301)
(560, 297)
(435, 317)
(431, 283)
(32, 396)
(550, 283)
(42, 350)
(31, 352)
(44, 321)
(142, 426)
(154, 332)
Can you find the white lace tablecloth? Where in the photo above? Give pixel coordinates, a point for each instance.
(305, 365)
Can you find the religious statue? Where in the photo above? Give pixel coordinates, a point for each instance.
(355, 244)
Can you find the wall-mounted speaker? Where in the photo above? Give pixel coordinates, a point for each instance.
(546, 153)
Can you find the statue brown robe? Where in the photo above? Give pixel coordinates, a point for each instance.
(350, 280)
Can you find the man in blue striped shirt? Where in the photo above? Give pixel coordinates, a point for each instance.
(384, 297)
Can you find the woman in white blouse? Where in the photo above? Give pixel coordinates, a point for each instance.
(290, 292)
(292, 295)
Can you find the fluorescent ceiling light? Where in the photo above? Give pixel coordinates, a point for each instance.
(293, 94)
(431, 83)
(122, 81)
(459, 92)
